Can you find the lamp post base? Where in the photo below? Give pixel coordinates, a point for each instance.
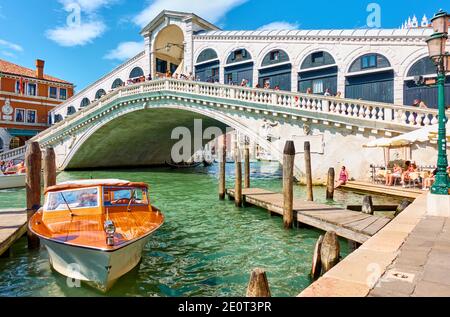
(438, 205)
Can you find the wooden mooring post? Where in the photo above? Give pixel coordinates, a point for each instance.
(222, 165)
(288, 184)
(367, 205)
(330, 183)
(246, 167)
(329, 251)
(238, 177)
(33, 161)
(309, 188)
(258, 285)
(49, 168)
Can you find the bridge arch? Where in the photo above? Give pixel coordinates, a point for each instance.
(141, 140)
(71, 110)
(136, 72)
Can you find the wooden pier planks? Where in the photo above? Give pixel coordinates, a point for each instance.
(13, 225)
(379, 189)
(348, 224)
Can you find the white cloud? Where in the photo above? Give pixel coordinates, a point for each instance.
(280, 25)
(125, 50)
(211, 10)
(9, 54)
(74, 35)
(11, 46)
(83, 24)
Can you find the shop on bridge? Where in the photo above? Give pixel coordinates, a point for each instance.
(239, 66)
(370, 77)
(207, 67)
(276, 70)
(420, 84)
(318, 72)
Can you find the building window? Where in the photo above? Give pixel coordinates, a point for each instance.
(161, 66)
(14, 143)
(317, 58)
(229, 79)
(53, 92)
(318, 86)
(20, 115)
(368, 61)
(62, 93)
(275, 55)
(215, 72)
(32, 89)
(18, 91)
(31, 116)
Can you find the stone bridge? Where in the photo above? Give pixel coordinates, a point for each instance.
(132, 126)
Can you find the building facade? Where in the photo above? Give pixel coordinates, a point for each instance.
(382, 65)
(26, 98)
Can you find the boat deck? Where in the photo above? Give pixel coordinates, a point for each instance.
(353, 225)
(13, 225)
(379, 189)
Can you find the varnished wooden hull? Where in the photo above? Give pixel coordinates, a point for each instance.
(98, 268)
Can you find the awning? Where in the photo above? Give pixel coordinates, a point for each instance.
(424, 134)
(23, 132)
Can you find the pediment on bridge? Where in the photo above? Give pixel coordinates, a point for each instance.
(166, 17)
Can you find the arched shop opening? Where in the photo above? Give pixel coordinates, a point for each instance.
(318, 72)
(239, 66)
(71, 110)
(84, 102)
(370, 77)
(168, 54)
(207, 66)
(117, 83)
(276, 70)
(100, 93)
(420, 84)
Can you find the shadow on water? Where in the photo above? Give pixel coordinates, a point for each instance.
(206, 247)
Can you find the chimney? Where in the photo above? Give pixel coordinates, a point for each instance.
(40, 68)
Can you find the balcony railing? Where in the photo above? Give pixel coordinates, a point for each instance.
(332, 107)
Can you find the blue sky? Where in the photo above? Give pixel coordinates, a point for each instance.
(82, 50)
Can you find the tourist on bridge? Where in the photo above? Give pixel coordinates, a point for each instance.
(343, 177)
(327, 92)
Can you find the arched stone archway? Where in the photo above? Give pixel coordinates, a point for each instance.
(168, 51)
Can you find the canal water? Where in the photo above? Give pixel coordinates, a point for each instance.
(206, 247)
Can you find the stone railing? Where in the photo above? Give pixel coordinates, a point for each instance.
(344, 109)
(17, 153)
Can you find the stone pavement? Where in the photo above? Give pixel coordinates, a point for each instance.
(423, 264)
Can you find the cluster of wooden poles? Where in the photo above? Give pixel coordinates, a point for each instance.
(288, 177)
(35, 162)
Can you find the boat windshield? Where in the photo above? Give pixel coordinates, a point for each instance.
(75, 199)
(121, 196)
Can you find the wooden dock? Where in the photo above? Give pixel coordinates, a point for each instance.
(379, 189)
(13, 225)
(352, 225)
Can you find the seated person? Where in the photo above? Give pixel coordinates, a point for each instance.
(429, 180)
(405, 176)
(391, 177)
(343, 177)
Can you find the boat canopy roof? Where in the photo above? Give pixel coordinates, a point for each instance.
(93, 183)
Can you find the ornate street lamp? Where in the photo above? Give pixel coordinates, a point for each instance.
(436, 47)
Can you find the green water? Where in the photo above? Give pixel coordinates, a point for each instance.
(206, 247)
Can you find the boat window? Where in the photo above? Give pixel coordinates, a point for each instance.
(116, 196)
(78, 198)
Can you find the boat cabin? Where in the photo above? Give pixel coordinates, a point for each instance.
(94, 197)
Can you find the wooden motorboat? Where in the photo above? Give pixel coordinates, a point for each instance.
(95, 230)
(173, 164)
(12, 180)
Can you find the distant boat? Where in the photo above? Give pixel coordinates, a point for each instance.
(12, 181)
(173, 164)
(95, 230)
